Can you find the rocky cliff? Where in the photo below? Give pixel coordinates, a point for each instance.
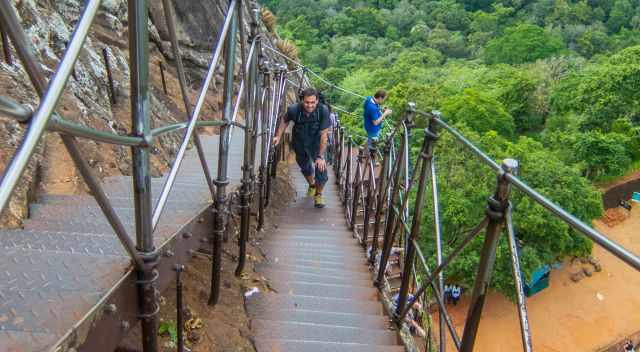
(49, 25)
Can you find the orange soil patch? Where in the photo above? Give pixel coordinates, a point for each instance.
(589, 315)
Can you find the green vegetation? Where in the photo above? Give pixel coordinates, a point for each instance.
(552, 83)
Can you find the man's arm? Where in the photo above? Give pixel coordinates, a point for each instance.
(280, 129)
(324, 137)
(378, 121)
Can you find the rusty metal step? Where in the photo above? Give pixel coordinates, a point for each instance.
(321, 332)
(282, 345)
(316, 264)
(324, 290)
(260, 302)
(322, 237)
(292, 276)
(367, 321)
(311, 233)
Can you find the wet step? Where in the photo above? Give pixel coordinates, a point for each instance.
(318, 346)
(321, 332)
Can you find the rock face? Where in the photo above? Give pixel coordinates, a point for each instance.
(49, 26)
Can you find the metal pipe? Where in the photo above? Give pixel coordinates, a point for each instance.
(107, 65)
(8, 58)
(447, 260)
(221, 182)
(179, 307)
(12, 109)
(141, 127)
(381, 192)
(410, 254)
(356, 188)
(523, 316)
(15, 169)
(371, 189)
(611, 246)
(264, 139)
(59, 124)
(497, 206)
(168, 185)
(438, 232)
(441, 304)
(164, 82)
(247, 164)
(173, 38)
(159, 131)
(389, 230)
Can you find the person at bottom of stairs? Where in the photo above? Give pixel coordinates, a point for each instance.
(309, 140)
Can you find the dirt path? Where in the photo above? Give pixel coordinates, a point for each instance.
(591, 315)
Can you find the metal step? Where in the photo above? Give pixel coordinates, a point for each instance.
(314, 289)
(327, 244)
(365, 321)
(260, 302)
(359, 272)
(319, 277)
(316, 255)
(317, 346)
(62, 242)
(320, 332)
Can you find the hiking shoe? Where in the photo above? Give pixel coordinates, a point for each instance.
(319, 201)
(311, 192)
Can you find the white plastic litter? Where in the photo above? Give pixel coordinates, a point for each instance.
(251, 292)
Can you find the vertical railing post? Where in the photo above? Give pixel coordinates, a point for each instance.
(347, 180)
(264, 139)
(410, 256)
(247, 164)
(381, 193)
(178, 268)
(222, 180)
(355, 185)
(107, 65)
(391, 216)
(8, 58)
(371, 181)
(497, 206)
(141, 127)
(164, 82)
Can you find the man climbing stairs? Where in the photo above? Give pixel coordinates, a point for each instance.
(323, 297)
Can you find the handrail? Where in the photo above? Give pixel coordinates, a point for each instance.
(41, 117)
(164, 194)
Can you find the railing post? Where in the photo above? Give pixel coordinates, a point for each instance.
(247, 164)
(356, 188)
(391, 218)
(347, 180)
(107, 65)
(264, 139)
(370, 165)
(497, 206)
(141, 127)
(382, 191)
(221, 182)
(410, 256)
(164, 82)
(8, 58)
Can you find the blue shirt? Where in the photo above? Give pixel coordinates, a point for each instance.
(371, 113)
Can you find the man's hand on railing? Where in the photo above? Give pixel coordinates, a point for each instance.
(276, 140)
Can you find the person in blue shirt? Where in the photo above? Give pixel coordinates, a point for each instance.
(374, 116)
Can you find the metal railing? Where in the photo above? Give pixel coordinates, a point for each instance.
(389, 203)
(261, 77)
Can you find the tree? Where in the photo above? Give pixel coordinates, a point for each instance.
(620, 15)
(480, 111)
(522, 43)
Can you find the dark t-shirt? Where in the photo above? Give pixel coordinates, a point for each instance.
(296, 113)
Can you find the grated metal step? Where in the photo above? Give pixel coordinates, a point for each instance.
(321, 332)
(317, 346)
